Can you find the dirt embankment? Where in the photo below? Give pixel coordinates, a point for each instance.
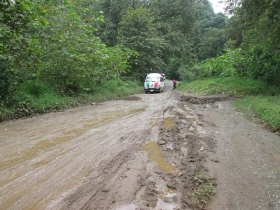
(149, 151)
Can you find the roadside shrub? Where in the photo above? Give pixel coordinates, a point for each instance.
(260, 62)
(222, 66)
(189, 73)
(35, 87)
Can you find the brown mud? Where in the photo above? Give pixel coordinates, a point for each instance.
(139, 152)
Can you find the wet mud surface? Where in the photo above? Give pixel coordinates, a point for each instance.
(139, 152)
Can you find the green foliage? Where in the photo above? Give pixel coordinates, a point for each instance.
(113, 14)
(233, 86)
(60, 42)
(222, 66)
(255, 28)
(72, 48)
(137, 32)
(260, 62)
(212, 44)
(35, 88)
(177, 14)
(27, 103)
(262, 18)
(176, 22)
(18, 45)
(203, 189)
(192, 72)
(234, 28)
(114, 61)
(266, 108)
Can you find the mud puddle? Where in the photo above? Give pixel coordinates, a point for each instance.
(168, 123)
(155, 154)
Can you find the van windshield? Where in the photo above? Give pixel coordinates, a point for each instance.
(150, 79)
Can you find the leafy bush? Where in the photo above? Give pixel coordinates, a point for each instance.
(262, 62)
(35, 87)
(189, 73)
(222, 66)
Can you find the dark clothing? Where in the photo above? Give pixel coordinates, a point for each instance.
(174, 83)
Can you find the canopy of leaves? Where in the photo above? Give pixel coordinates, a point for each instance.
(73, 45)
(137, 32)
(260, 39)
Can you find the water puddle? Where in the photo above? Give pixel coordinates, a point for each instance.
(166, 206)
(156, 155)
(161, 205)
(168, 123)
(166, 201)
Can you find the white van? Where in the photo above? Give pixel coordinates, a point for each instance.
(154, 82)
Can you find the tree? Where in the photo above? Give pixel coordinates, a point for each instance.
(70, 48)
(19, 46)
(138, 32)
(260, 39)
(114, 61)
(234, 30)
(212, 43)
(113, 12)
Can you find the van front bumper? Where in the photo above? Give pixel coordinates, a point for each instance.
(152, 90)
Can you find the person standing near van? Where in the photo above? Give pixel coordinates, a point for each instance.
(174, 83)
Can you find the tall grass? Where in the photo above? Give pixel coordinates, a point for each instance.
(232, 86)
(266, 108)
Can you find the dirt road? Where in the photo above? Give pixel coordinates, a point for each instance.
(138, 153)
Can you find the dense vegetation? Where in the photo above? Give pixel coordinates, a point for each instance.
(252, 49)
(70, 49)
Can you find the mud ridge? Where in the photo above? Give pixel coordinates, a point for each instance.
(204, 99)
(186, 147)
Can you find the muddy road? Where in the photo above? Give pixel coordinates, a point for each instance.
(138, 153)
